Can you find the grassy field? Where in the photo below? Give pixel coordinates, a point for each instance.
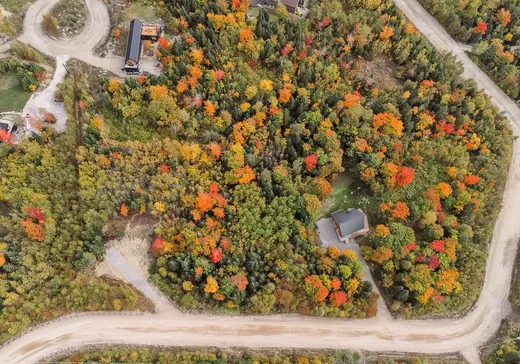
(349, 192)
(12, 96)
(140, 10)
(254, 13)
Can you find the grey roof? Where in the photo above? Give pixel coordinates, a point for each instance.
(291, 3)
(133, 45)
(349, 221)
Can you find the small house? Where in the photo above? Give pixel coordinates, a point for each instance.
(349, 224)
(133, 47)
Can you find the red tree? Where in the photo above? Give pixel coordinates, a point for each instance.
(157, 246)
(481, 28)
(404, 176)
(287, 49)
(471, 180)
(338, 298)
(437, 245)
(216, 255)
(5, 137)
(164, 168)
(163, 42)
(434, 262)
(35, 214)
(325, 22)
(311, 161)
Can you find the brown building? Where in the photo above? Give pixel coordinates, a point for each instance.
(151, 32)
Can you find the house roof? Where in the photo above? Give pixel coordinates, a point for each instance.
(133, 45)
(349, 221)
(291, 3)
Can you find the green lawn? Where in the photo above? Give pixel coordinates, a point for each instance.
(140, 10)
(254, 13)
(12, 96)
(349, 192)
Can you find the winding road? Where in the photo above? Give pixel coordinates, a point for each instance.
(463, 335)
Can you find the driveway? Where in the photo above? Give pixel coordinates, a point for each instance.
(44, 100)
(329, 237)
(161, 302)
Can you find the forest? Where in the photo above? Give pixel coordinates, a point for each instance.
(243, 356)
(234, 146)
(41, 239)
(187, 356)
(256, 118)
(493, 28)
(504, 348)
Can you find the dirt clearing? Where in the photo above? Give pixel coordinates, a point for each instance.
(380, 71)
(135, 244)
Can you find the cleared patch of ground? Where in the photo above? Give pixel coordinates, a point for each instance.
(349, 192)
(380, 71)
(132, 238)
(12, 95)
(135, 244)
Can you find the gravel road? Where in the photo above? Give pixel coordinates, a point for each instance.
(95, 31)
(421, 336)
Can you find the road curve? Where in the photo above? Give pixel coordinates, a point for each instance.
(81, 46)
(421, 336)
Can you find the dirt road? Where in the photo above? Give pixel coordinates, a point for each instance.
(422, 336)
(81, 46)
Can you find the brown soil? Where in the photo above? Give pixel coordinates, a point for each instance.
(379, 71)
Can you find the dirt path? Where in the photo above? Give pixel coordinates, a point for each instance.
(422, 336)
(45, 99)
(162, 305)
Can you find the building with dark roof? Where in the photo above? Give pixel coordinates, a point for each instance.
(290, 5)
(350, 223)
(133, 47)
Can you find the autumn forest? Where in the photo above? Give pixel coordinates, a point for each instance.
(234, 148)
